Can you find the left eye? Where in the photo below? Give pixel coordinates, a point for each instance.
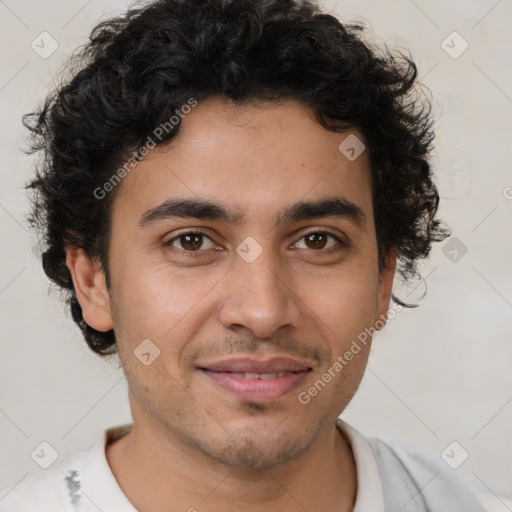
(318, 239)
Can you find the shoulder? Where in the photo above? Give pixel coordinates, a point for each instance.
(55, 488)
(429, 482)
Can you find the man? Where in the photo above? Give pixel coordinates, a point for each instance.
(228, 190)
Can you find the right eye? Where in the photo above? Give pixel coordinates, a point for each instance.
(190, 242)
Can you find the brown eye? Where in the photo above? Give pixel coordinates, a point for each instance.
(318, 241)
(190, 242)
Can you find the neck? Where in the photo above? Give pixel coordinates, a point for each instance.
(159, 474)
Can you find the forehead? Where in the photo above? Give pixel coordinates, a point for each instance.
(254, 157)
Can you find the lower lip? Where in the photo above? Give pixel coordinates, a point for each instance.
(261, 390)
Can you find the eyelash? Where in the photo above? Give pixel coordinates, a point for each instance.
(194, 254)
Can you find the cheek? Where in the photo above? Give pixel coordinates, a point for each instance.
(156, 302)
(166, 309)
(153, 385)
(346, 301)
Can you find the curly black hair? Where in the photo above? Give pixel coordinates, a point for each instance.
(139, 68)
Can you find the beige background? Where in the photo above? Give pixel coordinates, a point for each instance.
(438, 374)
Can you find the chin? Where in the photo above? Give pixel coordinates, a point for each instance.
(259, 450)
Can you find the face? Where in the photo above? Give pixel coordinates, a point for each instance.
(249, 301)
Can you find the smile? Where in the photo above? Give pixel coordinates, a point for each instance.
(255, 379)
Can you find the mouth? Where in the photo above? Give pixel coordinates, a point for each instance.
(257, 381)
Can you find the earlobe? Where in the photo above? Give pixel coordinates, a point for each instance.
(90, 288)
(386, 284)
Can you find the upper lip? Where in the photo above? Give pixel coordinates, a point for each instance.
(248, 365)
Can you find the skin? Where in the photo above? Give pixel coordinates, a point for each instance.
(194, 444)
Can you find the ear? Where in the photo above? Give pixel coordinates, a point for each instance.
(385, 286)
(90, 288)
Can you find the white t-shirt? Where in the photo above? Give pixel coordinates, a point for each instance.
(84, 482)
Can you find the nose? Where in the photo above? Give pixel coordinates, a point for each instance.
(259, 296)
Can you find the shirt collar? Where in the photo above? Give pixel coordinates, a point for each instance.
(104, 491)
(369, 494)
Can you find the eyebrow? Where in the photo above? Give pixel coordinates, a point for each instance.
(335, 206)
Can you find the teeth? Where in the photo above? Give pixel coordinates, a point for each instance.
(264, 376)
